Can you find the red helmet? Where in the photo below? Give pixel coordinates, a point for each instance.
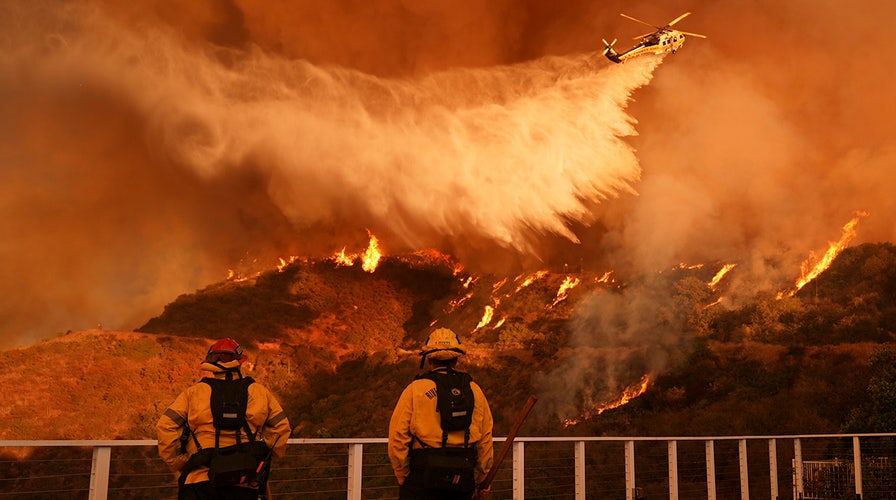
(225, 351)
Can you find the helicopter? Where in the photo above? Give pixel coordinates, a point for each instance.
(663, 40)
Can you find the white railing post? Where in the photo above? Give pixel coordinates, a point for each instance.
(629, 470)
(673, 470)
(580, 470)
(99, 473)
(711, 470)
(744, 469)
(857, 460)
(797, 469)
(773, 467)
(355, 467)
(519, 473)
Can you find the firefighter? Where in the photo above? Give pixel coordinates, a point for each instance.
(187, 434)
(416, 429)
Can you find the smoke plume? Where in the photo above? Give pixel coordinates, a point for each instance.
(143, 162)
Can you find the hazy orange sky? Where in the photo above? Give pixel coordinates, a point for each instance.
(148, 147)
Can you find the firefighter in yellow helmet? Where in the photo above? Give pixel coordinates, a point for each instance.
(220, 411)
(434, 457)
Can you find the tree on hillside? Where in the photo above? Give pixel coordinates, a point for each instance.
(878, 413)
(852, 300)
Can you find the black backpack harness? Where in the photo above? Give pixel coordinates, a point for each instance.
(448, 468)
(229, 401)
(236, 463)
(454, 400)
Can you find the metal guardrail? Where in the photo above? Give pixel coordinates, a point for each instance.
(629, 468)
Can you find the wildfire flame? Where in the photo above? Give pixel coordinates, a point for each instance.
(247, 268)
(370, 258)
(342, 259)
(372, 255)
(432, 255)
(455, 303)
(721, 274)
(682, 265)
(497, 286)
(605, 278)
(285, 262)
(486, 317)
(568, 284)
(716, 302)
(530, 279)
(592, 410)
(809, 272)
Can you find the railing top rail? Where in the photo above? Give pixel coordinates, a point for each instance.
(77, 442)
(696, 438)
(153, 442)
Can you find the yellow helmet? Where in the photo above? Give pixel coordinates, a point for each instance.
(441, 344)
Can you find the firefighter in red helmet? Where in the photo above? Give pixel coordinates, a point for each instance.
(225, 410)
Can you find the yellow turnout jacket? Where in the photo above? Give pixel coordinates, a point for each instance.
(415, 414)
(192, 408)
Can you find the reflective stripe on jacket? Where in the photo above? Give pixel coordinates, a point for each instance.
(193, 407)
(415, 414)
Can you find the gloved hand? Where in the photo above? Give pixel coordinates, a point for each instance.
(482, 493)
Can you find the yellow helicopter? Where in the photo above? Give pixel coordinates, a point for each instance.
(663, 40)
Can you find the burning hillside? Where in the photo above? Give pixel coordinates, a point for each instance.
(318, 332)
(401, 294)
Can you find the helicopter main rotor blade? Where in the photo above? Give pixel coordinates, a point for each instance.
(679, 18)
(688, 33)
(638, 20)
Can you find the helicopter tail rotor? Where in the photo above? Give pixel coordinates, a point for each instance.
(609, 52)
(608, 45)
